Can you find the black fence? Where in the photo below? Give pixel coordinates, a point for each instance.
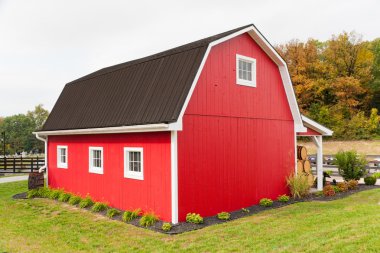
(20, 164)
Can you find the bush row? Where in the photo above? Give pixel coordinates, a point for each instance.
(146, 220)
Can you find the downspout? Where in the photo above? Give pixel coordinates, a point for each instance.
(40, 170)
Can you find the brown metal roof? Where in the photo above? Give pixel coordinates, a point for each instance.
(149, 90)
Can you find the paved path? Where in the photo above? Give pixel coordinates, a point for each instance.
(13, 179)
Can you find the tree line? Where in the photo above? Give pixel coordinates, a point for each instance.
(337, 82)
(18, 131)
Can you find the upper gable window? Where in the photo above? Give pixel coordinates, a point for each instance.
(245, 70)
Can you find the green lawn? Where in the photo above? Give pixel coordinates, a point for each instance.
(41, 225)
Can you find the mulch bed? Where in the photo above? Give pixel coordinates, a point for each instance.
(208, 221)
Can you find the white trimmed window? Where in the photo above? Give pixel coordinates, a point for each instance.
(96, 160)
(133, 163)
(62, 157)
(245, 70)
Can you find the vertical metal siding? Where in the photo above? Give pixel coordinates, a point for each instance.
(237, 143)
(151, 194)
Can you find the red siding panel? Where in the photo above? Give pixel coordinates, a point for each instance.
(237, 143)
(309, 132)
(151, 194)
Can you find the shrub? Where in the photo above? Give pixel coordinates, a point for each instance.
(328, 190)
(351, 165)
(44, 192)
(343, 187)
(318, 193)
(352, 184)
(74, 200)
(32, 193)
(376, 175)
(99, 206)
(86, 202)
(283, 198)
(371, 180)
(166, 226)
(194, 218)
(266, 202)
(55, 194)
(148, 219)
(224, 216)
(64, 197)
(130, 215)
(245, 210)
(298, 185)
(112, 212)
(336, 189)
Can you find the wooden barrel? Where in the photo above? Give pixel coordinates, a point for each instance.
(301, 153)
(310, 179)
(35, 180)
(300, 166)
(307, 166)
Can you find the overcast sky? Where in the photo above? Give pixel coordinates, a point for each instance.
(45, 44)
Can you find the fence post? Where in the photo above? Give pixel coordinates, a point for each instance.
(31, 164)
(14, 165)
(5, 163)
(38, 167)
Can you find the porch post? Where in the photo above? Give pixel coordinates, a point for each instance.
(318, 142)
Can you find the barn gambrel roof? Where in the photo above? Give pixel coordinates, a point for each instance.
(153, 90)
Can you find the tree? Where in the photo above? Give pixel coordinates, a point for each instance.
(39, 116)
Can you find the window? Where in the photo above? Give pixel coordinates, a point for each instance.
(133, 163)
(245, 71)
(62, 157)
(96, 160)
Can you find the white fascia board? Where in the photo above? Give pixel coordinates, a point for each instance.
(107, 130)
(316, 126)
(269, 50)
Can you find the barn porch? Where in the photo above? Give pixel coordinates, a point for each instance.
(315, 132)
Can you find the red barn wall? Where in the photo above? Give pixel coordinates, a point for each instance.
(237, 143)
(151, 194)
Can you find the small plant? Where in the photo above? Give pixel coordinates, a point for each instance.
(195, 218)
(55, 194)
(328, 191)
(74, 200)
(283, 198)
(298, 185)
(224, 216)
(130, 215)
(351, 165)
(34, 193)
(113, 212)
(99, 207)
(148, 219)
(166, 226)
(343, 187)
(371, 180)
(64, 197)
(336, 189)
(318, 193)
(376, 175)
(266, 202)
(352, 184)
(245, 210)
(86, 202)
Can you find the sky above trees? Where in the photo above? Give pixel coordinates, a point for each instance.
(45, 44)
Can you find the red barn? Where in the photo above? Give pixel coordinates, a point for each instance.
(206, 127)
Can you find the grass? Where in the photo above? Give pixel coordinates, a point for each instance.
(44, 225)
(367, 147)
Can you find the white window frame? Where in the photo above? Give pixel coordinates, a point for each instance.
(60, 164)
(239, 81)
(127, 172)
(93, 169)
